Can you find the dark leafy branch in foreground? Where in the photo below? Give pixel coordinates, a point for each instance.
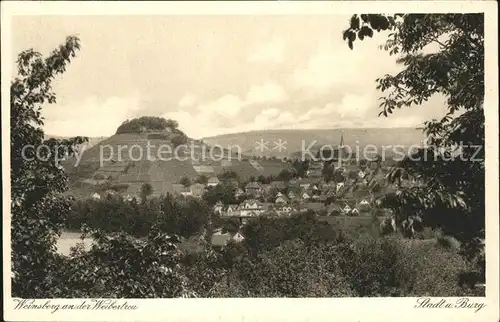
(452, 196)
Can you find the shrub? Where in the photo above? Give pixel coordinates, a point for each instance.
(121, 266)
(399, 267)
(291, 270)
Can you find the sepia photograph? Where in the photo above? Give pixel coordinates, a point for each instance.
(249, 156)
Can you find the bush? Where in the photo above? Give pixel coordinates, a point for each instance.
(399, 267)
(121, 266)
(291, 270)
(185, 217)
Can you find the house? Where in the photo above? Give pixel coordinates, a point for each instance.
(232, 210)
(364, 205)
(306, 196)
(213, 181)
(361, 174)
(253, 188)
(251, 207)
(354, 212)
(128, 198)
(281, 200)
(218, 207)
(96, 196)
(238, 237)
(197, 190)
(291, 195)
(279, 194)
(339, 186)
(305, 185)
(239, 193)
(285, 210)
(347, 209)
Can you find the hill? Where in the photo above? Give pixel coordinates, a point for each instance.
(293, 141)
(122, 162)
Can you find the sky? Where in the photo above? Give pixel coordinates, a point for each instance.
(214, 74)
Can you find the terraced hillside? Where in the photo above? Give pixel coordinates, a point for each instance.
(124, 162)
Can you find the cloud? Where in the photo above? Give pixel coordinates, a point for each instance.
(91, 116)
(187, 101)
(270, 112)
(339, 67)
(227, 105)
(270, 92)
(272, 51)
(230, 106)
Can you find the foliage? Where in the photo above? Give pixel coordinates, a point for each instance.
(202, 179)
(397, 267)
(231, 225)
(179, 139)
(185, 181)
(300, 167)
(224, 193)
(146, 191)
(38, 212)
(120, 266)
(293, 269)
(452, 196)
(153, 123)
(285, 175)
(265, 233)
(186, 217)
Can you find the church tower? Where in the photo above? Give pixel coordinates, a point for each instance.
(341, 149)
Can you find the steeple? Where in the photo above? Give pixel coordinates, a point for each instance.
(341, 149)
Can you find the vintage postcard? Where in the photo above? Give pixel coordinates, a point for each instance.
(250, 161)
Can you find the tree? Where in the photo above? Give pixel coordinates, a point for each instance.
(453, 194)
(201, 179)
(328, 171)
(38, 210)
(185, 181)
(179, 139)
(146, 191)
(137, 125)
(285, 175)
(300, 167)
(224, 193)
(231, 225)
(172, 124)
